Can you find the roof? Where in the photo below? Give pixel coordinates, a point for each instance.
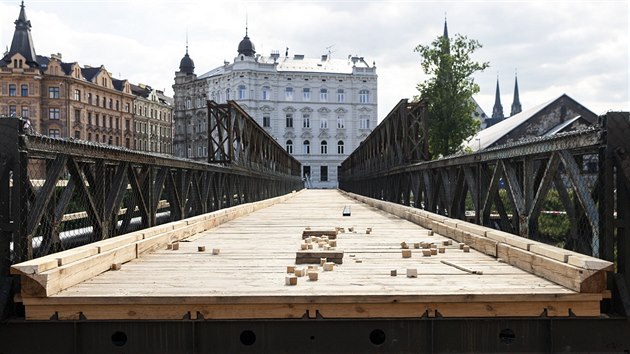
(298, 63)
(489, 136)
(90, 73)
(22, 42)
(558, 128)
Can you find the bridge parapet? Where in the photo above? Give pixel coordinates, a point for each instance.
(569, 190)
(57, 194)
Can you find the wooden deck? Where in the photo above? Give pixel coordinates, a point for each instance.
(246, 279)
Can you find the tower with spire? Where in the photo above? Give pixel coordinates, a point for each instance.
(22, 43)
(497, 110)
(516, 103)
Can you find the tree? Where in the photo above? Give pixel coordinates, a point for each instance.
(448, 92)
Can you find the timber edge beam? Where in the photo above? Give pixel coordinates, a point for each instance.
(575, 271)
(48, 275)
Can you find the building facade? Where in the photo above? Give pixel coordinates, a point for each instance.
(319, 109)
(67, 100)
(153, 123)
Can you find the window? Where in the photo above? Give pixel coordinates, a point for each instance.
(24, 112)
(364, 122)
(12, 90)
(323, 173)
(340, 95)
(324, 147)
(266, 120)
(111, 103)
(77, 95)
(364, 96)
(306, 172)
(307, 147)
(323, 123)
(89, 118)
(24, 90)
(289, 118)
(77, 116)
(53, 113)
(127, 124)
(54, 133)
(97, 119)
(89, 98)
(227, 94)
(77, 134)
(340, 147)
(127, 107)
(117, 107)
(289, 146)
(111, 121)
(98, 99)
(340, 122)
(89, 137)
(53, 92)
(127, 143)
(306, 120)
(288, 93)
(12, 111)
(323, 95)
(241, 92)
(306, 94)
(266, 93)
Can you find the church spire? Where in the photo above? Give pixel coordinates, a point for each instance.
(22, 42)
(497, 110)
(516, 104)
(445, 28)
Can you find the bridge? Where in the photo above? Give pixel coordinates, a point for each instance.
(104, 249)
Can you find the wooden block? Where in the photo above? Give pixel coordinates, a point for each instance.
(303, 246)
(290, 280)
(461, 245)
(290, 269)
(299, 272)
(404, 245)
(175, 246)
(466, 248)
(169, 246)
(426, 253)
(216, 251)
(412, 273)
(329, 266)
(351, 229)
(434, 251)
(406, 253)
(307, 228)
(446, 243)
(587, 262)
(433, 245)
(473, 228)
(552, 252)
(510, 239)
(331, 233)
(332, 243)
(308, 240)
(393, 272)
(346, 211)
(309, 246)
(441, 249)
(116, 266)
(426, 245)
(322, 261)
(201, 248)
(416, 245)
(312, 276)
(315, 256)
(312, 268)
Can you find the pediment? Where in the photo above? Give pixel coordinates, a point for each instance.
(323, 110)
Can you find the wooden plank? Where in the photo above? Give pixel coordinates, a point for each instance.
(574, 278)
(118, 241)
(510, 239)
(331, 233)
(308, 256)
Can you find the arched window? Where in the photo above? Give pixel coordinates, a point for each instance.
(290, 146)
(307, 147)
(364, 96)
(340, 147)
(324, 147)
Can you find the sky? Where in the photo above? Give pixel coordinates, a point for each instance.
(579, 48)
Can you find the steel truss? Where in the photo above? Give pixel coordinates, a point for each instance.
(119, 189)
(589, 169)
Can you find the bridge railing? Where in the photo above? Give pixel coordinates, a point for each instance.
(57, 194)
(569, 190)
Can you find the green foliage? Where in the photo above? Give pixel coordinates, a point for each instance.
(553, 226)
(448, 92)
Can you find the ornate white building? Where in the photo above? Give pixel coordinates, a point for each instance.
(320, 109)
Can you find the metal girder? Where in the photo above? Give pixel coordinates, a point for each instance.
(493, 335)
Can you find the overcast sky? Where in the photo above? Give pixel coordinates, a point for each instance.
(580, 48)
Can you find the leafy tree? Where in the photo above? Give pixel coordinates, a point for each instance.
(448, 92)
